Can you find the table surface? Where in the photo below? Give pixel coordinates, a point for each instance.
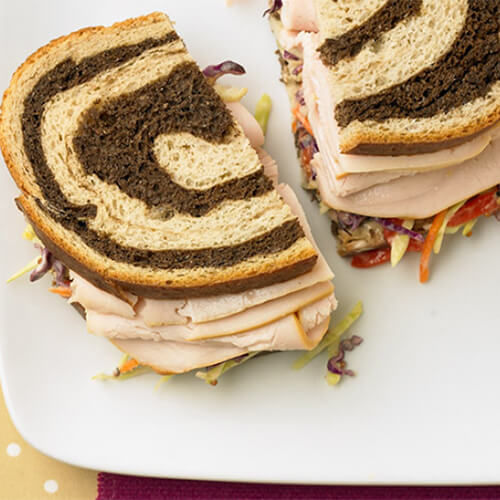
(27, 474)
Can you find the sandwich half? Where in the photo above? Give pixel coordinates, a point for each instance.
(396, 109)
(154, 204)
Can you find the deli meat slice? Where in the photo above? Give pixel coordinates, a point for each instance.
(201, 310)
(421, 195)
(179, 357)
(299, 15)
(320, 108)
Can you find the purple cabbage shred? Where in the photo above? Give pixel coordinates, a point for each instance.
(298, 70)
(337, 364)
(290, 56)
(215, 71)
(349, 221)
(275, 6)
(60, 274)
(397, 228)
(50, 263)
(299, 97)
(307, 141)
(44, 266)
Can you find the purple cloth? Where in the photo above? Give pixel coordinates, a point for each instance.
(117, 487)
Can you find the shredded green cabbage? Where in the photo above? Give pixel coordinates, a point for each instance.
(29, 234)
(262, 111)
(117, 375)
(332, 339)
(230, 94)
(123, 360)
(134, 372)
(468, 227)
(454, 229)
(26, 269)
(162, 380)
(138, 370)
(332, 378)
(439, 238)
(212, 375)
(323, 208)
(400, 243)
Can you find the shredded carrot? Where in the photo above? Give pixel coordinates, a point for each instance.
(428, 244)
(294, 126)
(129, 365)
(61, 290)
(306, 156)
(303, 119)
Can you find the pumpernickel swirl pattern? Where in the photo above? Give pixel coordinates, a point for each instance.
(350, 43)
(465, 73)
(414, 82)
(105, 128)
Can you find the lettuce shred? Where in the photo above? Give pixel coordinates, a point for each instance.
(262, 111)
(230, 94)
(211, 375)
(332, 338)
(400, 243)
(32, 264)
(332, 341)
(451, 212)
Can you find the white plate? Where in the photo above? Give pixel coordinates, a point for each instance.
(423, 409)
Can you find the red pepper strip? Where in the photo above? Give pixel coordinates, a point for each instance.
(371, 258)
(428, 244)
(388, 234)
(415, 246)
(379, 256)
(484, 204)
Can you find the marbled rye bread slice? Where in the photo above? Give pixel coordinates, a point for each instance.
(134, 173)
(411, 76)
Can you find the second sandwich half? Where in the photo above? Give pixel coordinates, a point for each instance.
(396, 108)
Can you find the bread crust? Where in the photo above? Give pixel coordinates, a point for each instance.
(118, 287)
(387, 145)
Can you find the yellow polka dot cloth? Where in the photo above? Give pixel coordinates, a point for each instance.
(27, 474)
